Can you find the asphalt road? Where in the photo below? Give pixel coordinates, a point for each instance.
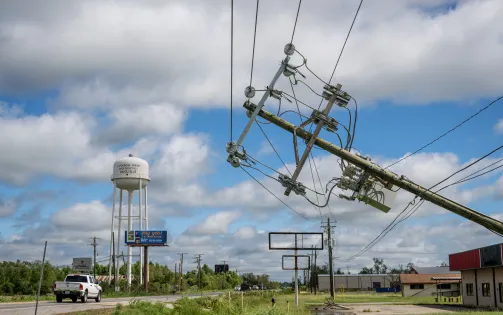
(51, 307)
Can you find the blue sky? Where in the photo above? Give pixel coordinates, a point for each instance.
(82, 109)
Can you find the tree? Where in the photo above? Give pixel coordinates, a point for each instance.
(339, 272)
(444, 264)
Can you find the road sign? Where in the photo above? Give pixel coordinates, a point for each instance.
(82, 264)
(146, 238)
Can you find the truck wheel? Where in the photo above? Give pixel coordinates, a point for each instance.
(59, 298)
(74, 299)
(98, 298)
(83, 298)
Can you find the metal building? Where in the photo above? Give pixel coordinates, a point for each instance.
(481, 274)
(368, 282)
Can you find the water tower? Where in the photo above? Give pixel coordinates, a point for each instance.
(129, 174)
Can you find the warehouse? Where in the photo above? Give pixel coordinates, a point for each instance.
(481, 274)
(358, 281)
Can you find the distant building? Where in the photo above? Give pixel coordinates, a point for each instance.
(482, 275)
(368, 282)
(439, 285)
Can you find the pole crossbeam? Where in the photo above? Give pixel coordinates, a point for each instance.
(383, 174)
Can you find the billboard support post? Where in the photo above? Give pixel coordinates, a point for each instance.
(296, 247)
(145, 268)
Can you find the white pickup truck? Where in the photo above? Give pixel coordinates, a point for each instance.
(77, 286)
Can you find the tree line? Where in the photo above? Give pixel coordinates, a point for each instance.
(22, 278)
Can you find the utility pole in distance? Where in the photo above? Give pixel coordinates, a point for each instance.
(94, 244)
(328, 229)
(181, 269)
(200, 276)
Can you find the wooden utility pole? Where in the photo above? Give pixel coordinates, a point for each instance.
(328, 229)
(199, 274)
(175, 278)
(41, 277)
(94, 244)
(181, 269)
(385, 175)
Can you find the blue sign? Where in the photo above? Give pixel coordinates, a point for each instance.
(142, 238)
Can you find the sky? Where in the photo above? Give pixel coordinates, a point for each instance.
(83, 84)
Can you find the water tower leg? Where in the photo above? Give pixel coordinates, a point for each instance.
(130, 228)
(118, 250)
(140, 219)
(146, 224)
(111, 240)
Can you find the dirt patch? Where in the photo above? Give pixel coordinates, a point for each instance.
(384, 309)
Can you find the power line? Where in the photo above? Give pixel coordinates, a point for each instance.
(272, 146)
(296, 18)
(263, 186)
(342, 49)
(446, 133)
(469, 165)
(345, 41)
(254, 38)
(232, 55)
(413, 209)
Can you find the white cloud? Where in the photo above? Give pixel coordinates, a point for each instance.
(217, 223)
(499, 126)
(413, 52)
(245, 232)
(148, 120)
(42, 144)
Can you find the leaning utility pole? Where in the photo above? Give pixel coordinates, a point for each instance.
(370, 169)
(94, 244)
(328, 229)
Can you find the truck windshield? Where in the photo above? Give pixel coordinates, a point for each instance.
(76, 279)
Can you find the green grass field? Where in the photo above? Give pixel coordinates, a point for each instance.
(251, 304)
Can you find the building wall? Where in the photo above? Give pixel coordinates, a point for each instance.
(362, 282)
(429, 290)
(498, 272)
(468, 277)
(485, 276)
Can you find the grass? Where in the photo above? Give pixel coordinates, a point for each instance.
(257, 303)
(363, 297)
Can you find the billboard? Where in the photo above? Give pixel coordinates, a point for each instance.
(82, 264)
(295, 241)
(221, 268)
(146, 238)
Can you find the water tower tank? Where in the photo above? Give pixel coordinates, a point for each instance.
(128, 171)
